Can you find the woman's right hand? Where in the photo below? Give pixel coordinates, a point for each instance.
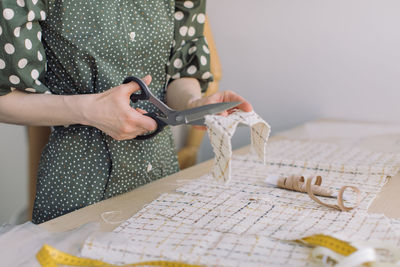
(111, 112)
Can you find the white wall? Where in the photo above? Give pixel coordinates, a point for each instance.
(301, 60)
(293, 60)
(13, 172)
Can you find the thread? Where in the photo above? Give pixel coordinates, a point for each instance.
(340, 206)
(297, 183)
(111, 214)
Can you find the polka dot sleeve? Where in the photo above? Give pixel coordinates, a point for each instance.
(22, 56)
(190, 55)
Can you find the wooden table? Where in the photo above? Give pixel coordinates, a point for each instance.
(387, 202)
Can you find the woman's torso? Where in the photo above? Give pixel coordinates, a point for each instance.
(91, 46)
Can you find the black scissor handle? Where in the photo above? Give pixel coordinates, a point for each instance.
(145, 95)
(144, 90)
(160, 127)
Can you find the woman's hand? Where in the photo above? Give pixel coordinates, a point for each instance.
(111, 112)
(185, 93)
(219, 97)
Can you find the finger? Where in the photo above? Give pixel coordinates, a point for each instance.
(232, 110)
(217, 97)
(129, 88)
(199, 127)
(212, 99)
(138, 132)
(147, 123)
(222, 97)
(224, 113)
(141, 111)
(132, 87)
(143, 131)
(147, 79)
(232, 97)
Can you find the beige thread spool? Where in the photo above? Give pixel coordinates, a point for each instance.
(297, 183)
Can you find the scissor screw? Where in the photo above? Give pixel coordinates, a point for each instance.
(179, 118)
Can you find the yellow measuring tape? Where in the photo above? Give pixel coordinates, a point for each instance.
(339, 246)
(51, 257)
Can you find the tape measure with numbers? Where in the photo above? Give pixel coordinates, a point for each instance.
(336, 245)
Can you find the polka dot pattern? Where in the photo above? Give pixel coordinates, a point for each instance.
(178, 63)
(192, 50)
(14, 79)
(21, 3)
(8, 13)
(17, 31)
(101, 44)
(203, 60)
(190, 59)
(22, 63)
(183, 30)
(191, 31)
(206, 75)
(28, 44)
(35, 74)
(192, 70)
(20, 21)
(179, 15)
(9, 48)
(188, 4)
(40, 56)
(201, 18)
(31, 15)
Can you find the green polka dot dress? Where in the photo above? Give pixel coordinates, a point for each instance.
(68, 47)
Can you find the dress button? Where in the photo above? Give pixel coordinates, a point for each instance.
(132, 36)
(149, 167)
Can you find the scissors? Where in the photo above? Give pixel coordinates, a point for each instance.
(168, 116)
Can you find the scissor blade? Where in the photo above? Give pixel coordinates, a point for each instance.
(201, 122)
(198, 113)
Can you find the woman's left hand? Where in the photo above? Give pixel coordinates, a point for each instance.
(219, 97)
